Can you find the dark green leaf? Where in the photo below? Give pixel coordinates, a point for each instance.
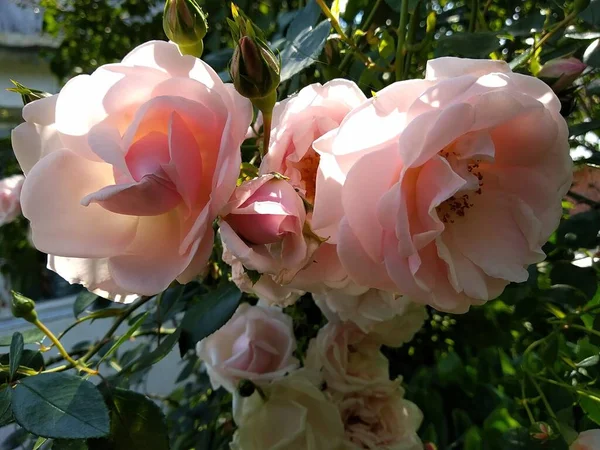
(57, 405)
(592, 13)
(582, 278)
(149, 359)
(5, 406)
(29, 358)
(30, 336)
(591, 407)
(584, 127)
(592, 54)
(473, 439)
(549, 351)
(579, 231)
(396, 5)
(87, 301)
(212, 312)
(474, 45)
(16, 352)
(304, 50)
(304, 20)
(136, 422)
(171, 303)
(64, 444)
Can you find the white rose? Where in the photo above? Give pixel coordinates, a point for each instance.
(257, 344)
(295, 415)
(348, 361)
(381, 419)
(392, 318)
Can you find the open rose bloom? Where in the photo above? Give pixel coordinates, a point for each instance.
(10, 193)
(451, 184)
(128, 167)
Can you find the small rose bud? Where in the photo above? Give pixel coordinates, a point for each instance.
(561, 72)
(541, 431)
(254, 70)
(23, 307)
(184, 23)
(429, 446)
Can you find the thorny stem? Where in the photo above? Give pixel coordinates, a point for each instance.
(77, 364)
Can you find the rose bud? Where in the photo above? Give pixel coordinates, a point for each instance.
(184, 23)
(561, 72)
(541, 431)
(264, 226)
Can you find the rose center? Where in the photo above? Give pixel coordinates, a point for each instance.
(307, 167)
(455, 207)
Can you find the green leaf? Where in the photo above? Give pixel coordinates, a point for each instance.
(57, 405)
(149, 359)
(138, 323)
(387, 45)
(87, 301)
(305, 19)
(582, 278)
(212, 311)
(474, 45)
(304, 50)
(29, 358)
(5, 406)
(16, 352)
(579, 231)
(592, 54)
(68, 444)
(136, 423)
(30, 336)
(589, 361)
(473, 439)
(591, 14)
(591, 407)
(396, 5)
(39, 442)
(549, 351)
(584, 127)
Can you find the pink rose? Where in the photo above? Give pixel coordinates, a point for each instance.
(348, 361)
(263, 226)
(297, 122)
(127, 169)
(381, 420)
(256, 344)
(388, 318)
(451, 184)
(587, 440)
(10, 193)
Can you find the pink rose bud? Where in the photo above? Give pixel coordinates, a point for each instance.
(563, 71)
(264, 226)
(541, 431)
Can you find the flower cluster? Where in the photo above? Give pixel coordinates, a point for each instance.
(438, 191)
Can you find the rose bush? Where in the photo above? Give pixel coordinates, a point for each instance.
(149, 148)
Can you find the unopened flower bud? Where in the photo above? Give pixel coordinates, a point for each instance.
(184, 23)
(561, 72)
(541, 431)
(429, 446)
(254, 70)
(23, 307)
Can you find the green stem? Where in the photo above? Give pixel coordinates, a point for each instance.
(78, 364)
(473, 18)
(267, 121)
(92, 351)
(401, 39)
(584, 392)
(545, 401)
(371, 15)
(525, 401)
(587, 330)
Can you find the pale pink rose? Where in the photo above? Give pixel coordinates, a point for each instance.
(256, 344)
(381, 420)
(451, 184)
(294, 415)
(10, 193)
(265, 288)
(297, 122)
(587, 440)
(264, 227)
(348, 361)
(127, 169)
(388, 318)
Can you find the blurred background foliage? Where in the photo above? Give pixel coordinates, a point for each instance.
(493, 379)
